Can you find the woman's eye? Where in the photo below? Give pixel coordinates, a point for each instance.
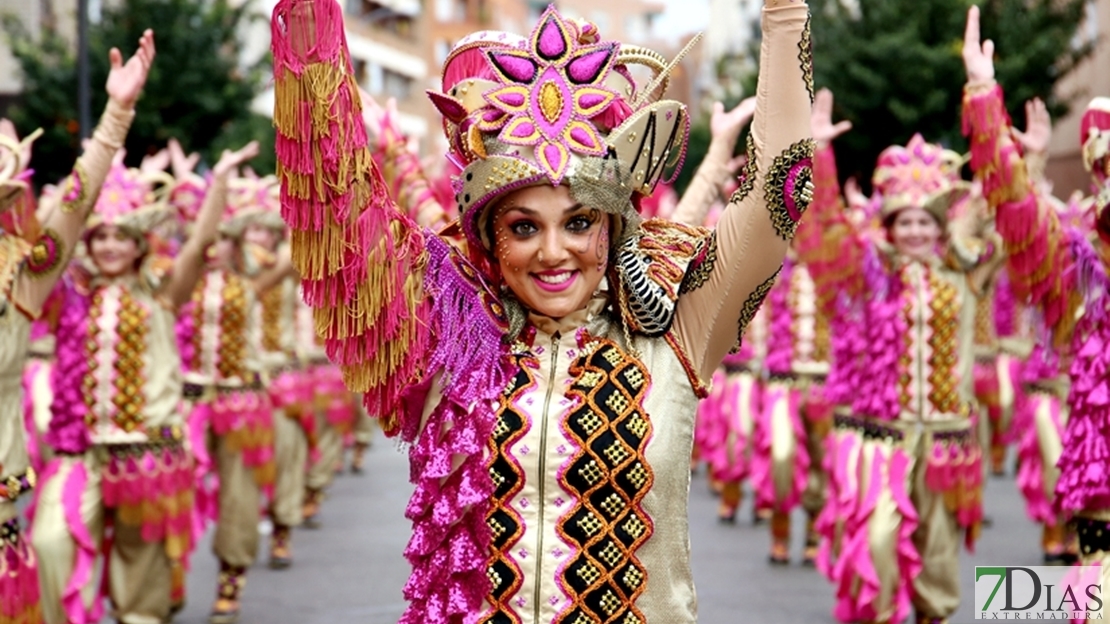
(523, 228)
(579, 224)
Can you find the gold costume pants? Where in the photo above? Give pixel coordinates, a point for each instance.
(291, 459)
(236, 539)
(329, 442)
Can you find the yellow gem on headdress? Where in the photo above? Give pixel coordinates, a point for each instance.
(551, 101)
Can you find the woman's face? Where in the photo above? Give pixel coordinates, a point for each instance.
(222, 253)
(552, 251)
(915, 233)
(260, 235)
(114, 252)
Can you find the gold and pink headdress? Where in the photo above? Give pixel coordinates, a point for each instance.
(558, 107)
(253, 199)
(919, 175)
(133, 200)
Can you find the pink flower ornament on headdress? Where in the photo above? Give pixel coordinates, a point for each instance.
(919, 175)
(132, 200)
(559, 107)
(552, 90)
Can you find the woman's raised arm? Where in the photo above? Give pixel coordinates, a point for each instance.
(756, 228)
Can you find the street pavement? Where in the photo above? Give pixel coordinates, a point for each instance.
(351, 571)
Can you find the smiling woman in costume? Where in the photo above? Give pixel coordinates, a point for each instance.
(547, 378)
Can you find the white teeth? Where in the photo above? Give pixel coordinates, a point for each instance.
(555, 279)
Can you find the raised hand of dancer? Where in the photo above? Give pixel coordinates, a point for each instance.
(229, 160)
(854, 194)
(726, 126)
(188, 264)
(181, 164)
(156, 162)
(126, 80)
(978, 55)
(820, 120)
(1038, 128)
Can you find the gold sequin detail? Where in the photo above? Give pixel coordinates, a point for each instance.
(551, 101)
(272, 302)
(943, 326)
(130, 359)
(233, 321)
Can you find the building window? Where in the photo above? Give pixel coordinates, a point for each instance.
(442, 48)
(381, 16)
(396, 85)
(359, 67)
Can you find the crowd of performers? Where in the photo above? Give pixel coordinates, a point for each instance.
(161, 372)
(161, 376)
(910, 339)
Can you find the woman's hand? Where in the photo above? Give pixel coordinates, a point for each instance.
(726, 126)
(156, 162)
(820, 120)
(1038, 128)
(126, 80)
(978, 56)
(181, 164)
(231, 160)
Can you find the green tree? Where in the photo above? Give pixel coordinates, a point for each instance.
(198, 91)
(895, 65)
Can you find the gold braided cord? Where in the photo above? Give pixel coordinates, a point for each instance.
(662, 79)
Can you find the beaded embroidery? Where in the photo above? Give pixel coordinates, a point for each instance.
(652, 266)
(46, 254)
(752, 303)
(702, 267)
(747, 174)
(609, 478)
(74, 196)
(805, 57)
(788, 189)
(506, 525)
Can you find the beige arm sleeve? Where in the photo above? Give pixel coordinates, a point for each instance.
(65, 224)
(705, 187)
(755, 230)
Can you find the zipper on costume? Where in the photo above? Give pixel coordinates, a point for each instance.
(554, 360)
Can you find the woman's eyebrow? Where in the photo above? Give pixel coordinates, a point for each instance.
(531, 212)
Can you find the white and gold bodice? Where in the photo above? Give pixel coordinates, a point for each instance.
(590, 459)
(938, 309)
(134, 382)
(226, 339)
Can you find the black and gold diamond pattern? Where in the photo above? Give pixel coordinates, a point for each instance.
(608, 477)
(505, 524)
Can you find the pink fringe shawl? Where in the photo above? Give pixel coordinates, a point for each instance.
(450, 542)
(68, 432)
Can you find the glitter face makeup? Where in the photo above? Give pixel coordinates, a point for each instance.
(553, 251)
